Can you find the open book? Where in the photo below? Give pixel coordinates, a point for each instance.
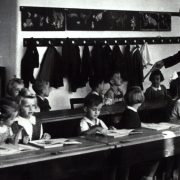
(42, 143)
(159, 126)
(115, 133)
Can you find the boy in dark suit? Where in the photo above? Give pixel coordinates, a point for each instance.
(42, 90)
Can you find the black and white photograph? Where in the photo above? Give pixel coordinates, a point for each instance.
(89, 90)
(43, 19)
(149, 21)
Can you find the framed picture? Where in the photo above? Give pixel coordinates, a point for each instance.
(42, 19)
(84, 19)
(132, 21)
(149, 21)
(115, 20)
(164, 21)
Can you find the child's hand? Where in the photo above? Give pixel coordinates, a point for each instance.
(112, 128)
(46, 136)
(108, 101)
(26, 139)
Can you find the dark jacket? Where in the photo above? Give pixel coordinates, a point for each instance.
(43, 104)
(97, 61)
(117, 58)
(130, 120)
(107, 62)
(86, 66)
(51, 68)
(135, 69)
(29, 61)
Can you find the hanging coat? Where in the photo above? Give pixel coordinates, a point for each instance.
(97, 61)
(86, 66)
(107, 62)
(66, 55)
(74, 65)
(51, 68)
(135, 69)
(29, 61)
(118, 61)
(127, 60)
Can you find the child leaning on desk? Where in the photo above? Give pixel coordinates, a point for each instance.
(8, 112)
(90, 124)
(26, 121)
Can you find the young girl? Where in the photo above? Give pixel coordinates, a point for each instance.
(156, 91)
(131, 120)
(8, 112)
(42, 90)
(14, 86)
(32, 129)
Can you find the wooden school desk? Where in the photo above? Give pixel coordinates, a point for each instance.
(148, 145)
(65, 123)
(69, 161)
(95, 154)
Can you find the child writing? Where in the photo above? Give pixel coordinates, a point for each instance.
(42, 90)
(117, 89)
(32, 129)
(156, 91)
(14, 86)
(8, 112)
(90, 124)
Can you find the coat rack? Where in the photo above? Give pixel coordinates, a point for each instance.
(110, 41)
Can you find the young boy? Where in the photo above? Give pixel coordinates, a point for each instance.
(90, 124)
(42, 90)
(117, 89)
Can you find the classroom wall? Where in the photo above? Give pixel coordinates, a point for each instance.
(59, 98)
(8, 35)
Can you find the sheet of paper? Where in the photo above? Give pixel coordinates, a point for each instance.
(159, 126)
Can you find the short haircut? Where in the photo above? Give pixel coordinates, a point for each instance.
(11, 83)
(174, 88)
(93, 100)
(39, 85)
(154, 73)
(25, 94)
(134, 95)
(94, 82)
(7, 108)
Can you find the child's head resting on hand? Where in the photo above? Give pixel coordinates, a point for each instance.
(116, 79)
